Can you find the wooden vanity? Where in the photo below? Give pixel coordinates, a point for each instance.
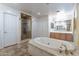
(62, 36)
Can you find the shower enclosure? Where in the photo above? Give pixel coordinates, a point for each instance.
(26, 26)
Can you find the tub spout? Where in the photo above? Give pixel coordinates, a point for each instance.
(66, 51)
(63, 49)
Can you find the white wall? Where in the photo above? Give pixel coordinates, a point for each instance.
(40, 27)
(7, 9)
(34, 27)
(1, 30)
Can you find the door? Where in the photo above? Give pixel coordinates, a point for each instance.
(10, 29)
(1, 30)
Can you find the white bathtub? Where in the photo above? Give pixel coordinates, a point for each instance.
(45, 47)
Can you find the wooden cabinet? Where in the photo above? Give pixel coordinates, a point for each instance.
(69, 37)
(57, 36)
(52, 35)
(62, 36)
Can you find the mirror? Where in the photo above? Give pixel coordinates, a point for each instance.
(61, 25)
(62, 22)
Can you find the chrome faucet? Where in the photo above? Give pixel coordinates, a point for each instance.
(65, 50)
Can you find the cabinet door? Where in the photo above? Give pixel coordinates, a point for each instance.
(69, 37)
(10, 29)
(1, 30)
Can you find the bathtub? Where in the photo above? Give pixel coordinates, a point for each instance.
(44, 46)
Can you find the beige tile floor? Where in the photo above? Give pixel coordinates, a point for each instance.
(22, 50)
(77, 51)
(15, 50)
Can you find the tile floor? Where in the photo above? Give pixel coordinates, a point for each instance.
(21, 50)
(15, 50)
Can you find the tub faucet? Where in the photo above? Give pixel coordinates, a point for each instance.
(66, 51)
(63, 48)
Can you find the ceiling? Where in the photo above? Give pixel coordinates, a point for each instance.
(42, 8)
